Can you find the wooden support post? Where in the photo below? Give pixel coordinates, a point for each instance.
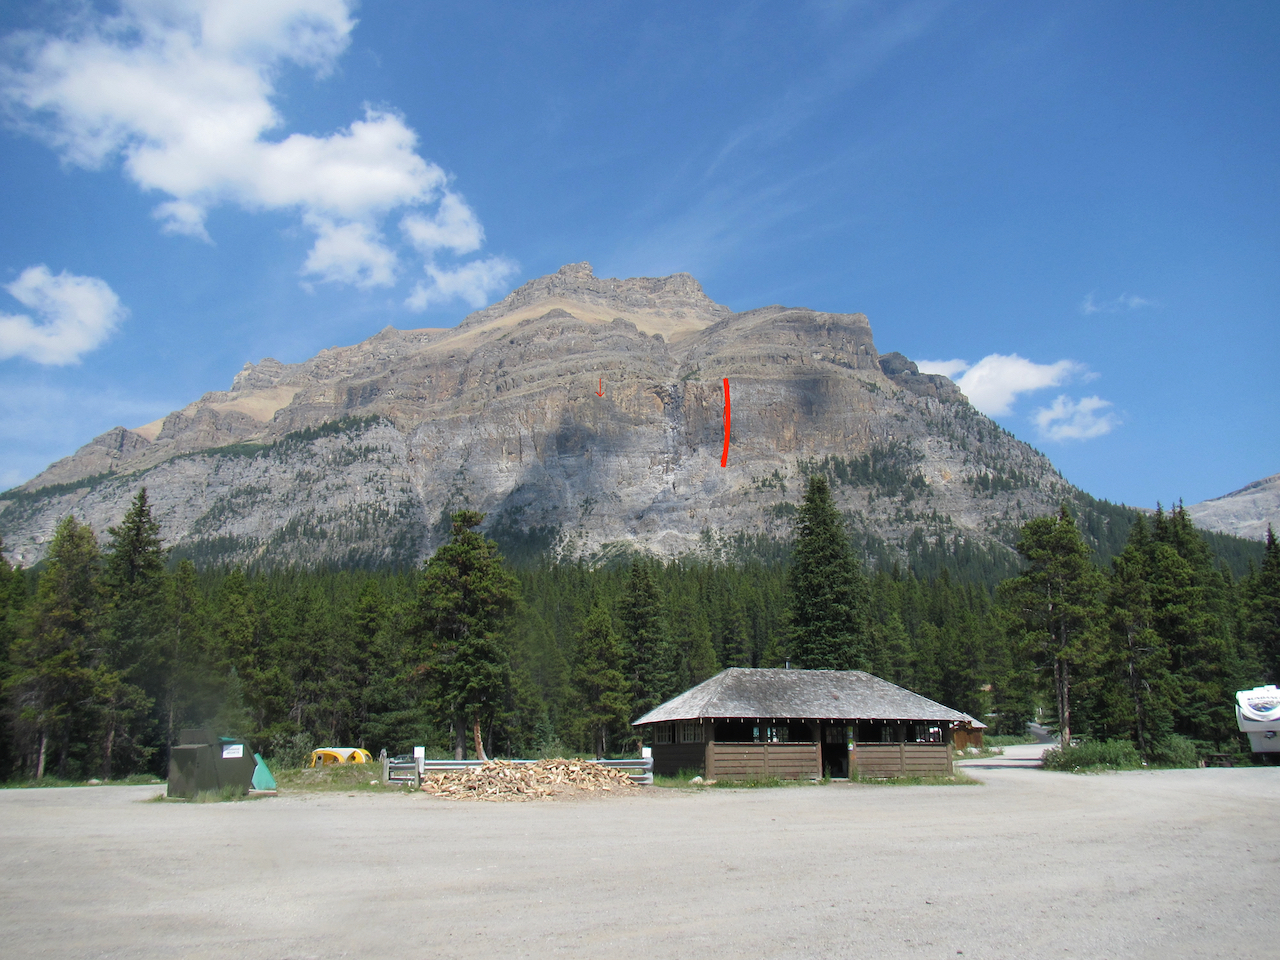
(709, 761)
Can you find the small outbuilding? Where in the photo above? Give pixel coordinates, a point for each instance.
(745, 724)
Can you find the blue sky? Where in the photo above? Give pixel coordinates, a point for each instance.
(1073, 209)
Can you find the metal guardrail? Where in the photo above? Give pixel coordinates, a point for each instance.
(411, 771)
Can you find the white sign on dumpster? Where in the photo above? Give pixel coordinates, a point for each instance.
(232, 751)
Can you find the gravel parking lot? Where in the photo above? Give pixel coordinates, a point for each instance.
(1029, 864)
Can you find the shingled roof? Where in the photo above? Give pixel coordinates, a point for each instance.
(742, 693)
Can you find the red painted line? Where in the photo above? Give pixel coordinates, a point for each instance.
(724, 457)
(600, 392)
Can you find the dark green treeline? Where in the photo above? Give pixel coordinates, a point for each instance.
(108, 651)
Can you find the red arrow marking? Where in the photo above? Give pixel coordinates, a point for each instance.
(724, 457)
(600, 392)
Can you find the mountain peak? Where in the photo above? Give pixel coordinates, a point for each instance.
(673, 306)
(561, 415)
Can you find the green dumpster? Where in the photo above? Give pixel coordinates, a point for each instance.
(204, 762)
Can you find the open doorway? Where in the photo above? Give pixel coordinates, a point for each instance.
(835, 750)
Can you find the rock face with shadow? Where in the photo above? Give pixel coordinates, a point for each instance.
(359, 454)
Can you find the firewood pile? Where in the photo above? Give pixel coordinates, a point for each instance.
(503, 780)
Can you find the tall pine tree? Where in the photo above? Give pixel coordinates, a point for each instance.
(829, 596)
(650, 663)
(1261, 610)
(1054, 604)
(601, 692)
(465, 598)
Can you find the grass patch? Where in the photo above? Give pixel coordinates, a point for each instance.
(228, 794)
(680, 781)
(1093, 756)
(762, 783)
(958, 779)
(133, 780)
(334, 777)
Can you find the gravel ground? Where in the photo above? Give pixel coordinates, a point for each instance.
(1030, 864)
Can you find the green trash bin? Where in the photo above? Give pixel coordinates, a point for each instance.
(204, 762)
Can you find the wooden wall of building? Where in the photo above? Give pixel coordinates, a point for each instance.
(903, 759)
(670, 759)
(965, 737)
(760, 761)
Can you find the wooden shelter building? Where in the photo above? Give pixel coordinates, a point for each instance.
(747, 724)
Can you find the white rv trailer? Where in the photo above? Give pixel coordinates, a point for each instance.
(1258, 715)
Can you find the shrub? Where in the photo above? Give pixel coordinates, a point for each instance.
(1093, 755)
(1175, 751)
(291, 751)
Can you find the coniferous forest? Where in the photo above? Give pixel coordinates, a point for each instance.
(110, 649)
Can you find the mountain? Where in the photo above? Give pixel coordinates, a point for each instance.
(1245, 513)
(359, 455)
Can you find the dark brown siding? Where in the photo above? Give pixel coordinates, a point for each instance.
(759, 761)
(904, 759)
(670, 759)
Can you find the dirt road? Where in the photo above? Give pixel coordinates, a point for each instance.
(1030, 864)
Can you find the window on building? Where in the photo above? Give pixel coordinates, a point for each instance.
(662, 734)
(691, 732)
(771, 733)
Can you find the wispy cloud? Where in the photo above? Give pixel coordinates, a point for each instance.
(875, 38)
(181, 92)
(1124, 302)
(472, 282)
(1082, 419)
(73, 315)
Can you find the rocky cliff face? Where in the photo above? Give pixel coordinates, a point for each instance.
(357, 455)
(1247, 512)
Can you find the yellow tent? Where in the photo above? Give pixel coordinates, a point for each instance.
(327, 755)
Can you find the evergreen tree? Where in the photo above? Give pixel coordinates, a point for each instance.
(737, 642)
(52, 680)
(1136, 660)
(12, 600)
(189, 690)
(133, 580)
(465, 597)
(827, 589)
(649, 660)
(1054, 604)
(600, 689)
(1194, 616)
(694, 655)
(1261, 610)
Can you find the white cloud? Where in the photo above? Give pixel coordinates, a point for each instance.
(948, 368)
(181, 92)
(454, 227)
(1126, 301)
(994, 382)
(350, 253)
(75, 314)
(474, 282)
(1082, 419)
